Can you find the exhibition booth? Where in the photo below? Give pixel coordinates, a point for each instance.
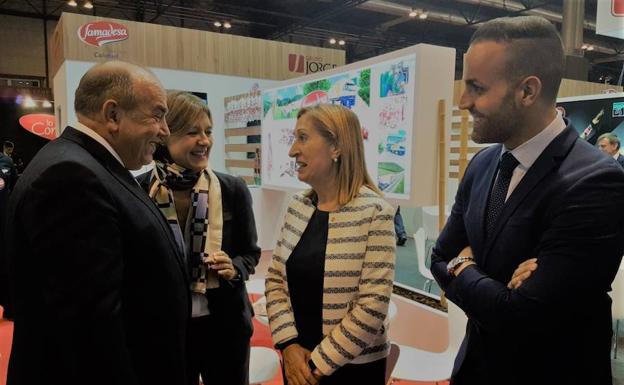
(416, 139)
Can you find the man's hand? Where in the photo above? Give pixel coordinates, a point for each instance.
(296, 366)
(222, 264)
(524, 271)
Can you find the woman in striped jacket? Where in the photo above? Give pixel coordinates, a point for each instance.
(329, 283)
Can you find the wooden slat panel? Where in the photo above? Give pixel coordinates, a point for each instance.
(455, 138)
(454, 162)
(471, 150)
(191, 50)
(243, 131)
(242, 147)
(457, 112)
(240, 163)
(454, 175)
(248, 179)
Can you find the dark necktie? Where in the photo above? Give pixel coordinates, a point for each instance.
(506, 166)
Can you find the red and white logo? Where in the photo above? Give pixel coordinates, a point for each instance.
(296, 63)
(43, 125)
(98, 33)
(314, 98)
(617, 7)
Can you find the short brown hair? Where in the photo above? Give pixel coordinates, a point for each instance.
(534, 48)
(611, 137)
(98, 86)
(341, 128)
(184, 110)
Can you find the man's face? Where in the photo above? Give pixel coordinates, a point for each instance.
(489, 96)
(141, 129)
(8, 151)
(605, 146)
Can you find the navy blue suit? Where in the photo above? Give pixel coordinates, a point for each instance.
(620, 160)
(568, 211)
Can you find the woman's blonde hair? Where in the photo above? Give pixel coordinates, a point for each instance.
(340, 127)
(184, 110)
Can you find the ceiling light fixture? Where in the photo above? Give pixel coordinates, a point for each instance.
(413, 13)
(341, 42)
(72, 3)
(332, 41)
(217, 24)
(423, 16)
(227, 25)
(46, 104)
(29, 102)
(88, 5)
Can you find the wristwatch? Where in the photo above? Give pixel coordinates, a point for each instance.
(455, 262)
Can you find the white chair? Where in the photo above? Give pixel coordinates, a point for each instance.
(430, 221)
(617, 306)
(419, 240)
(419, 365)
(263, 365)
(431, 225)
(255, 286)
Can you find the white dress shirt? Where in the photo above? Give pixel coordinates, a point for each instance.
(528, 152)
(97, 137)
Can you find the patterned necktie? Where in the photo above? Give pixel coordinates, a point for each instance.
(506, 166)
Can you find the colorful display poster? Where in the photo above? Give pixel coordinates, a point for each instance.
(594, 115)
(243, 108)
(381, 95)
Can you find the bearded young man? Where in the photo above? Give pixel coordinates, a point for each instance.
(536, 234)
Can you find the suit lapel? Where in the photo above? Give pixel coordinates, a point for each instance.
(126, 179)
(550, 158)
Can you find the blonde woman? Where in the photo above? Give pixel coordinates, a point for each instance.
(210, 215)
(330, 279)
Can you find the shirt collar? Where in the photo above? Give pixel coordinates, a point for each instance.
(98, 138)
(616, 155)
(528, 152)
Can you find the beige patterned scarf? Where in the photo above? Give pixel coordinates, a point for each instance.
(204, 227)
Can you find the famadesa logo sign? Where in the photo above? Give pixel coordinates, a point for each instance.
(307, 64)
(98, 33)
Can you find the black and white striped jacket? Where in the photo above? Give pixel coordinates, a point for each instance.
(359, 273)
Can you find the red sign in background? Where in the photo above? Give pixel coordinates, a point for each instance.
(43, 125)
(98, 33)
(617, 7)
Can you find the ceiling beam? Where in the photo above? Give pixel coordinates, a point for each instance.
(344, 5)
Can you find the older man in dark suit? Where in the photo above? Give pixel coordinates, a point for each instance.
(609, 143)
(99, 285)
(540, 193)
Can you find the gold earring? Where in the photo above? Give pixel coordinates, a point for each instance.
(335, 160)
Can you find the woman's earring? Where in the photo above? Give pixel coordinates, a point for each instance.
(335, 160)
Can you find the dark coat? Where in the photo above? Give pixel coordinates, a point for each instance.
(100, 291)
(230, 302)
(568, 211)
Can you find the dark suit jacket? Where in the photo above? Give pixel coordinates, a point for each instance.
(230, 303)
(620, 159)
(7, 167)
(568, 211)
(99, 288)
